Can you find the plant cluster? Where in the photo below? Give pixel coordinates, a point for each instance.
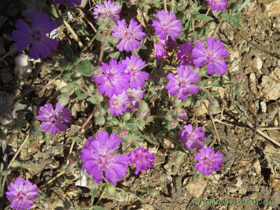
(123, 90)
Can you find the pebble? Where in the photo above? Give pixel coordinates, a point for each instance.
(197, 187)
(252, 83)
(269, 88)
(274, 182)
(257, 166)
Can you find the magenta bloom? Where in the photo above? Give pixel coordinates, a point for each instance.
(211, 55)
(21, 192)
(133, 66)
(111, 9)
(182, 83)
(217, 5)
(54, 118)
(70, 3)
(208, 161)
(118, 103)
(133, 95)
(167, 24)
(192, 139)
(41, 45)
(114, 80)
(182, 114)
(186, 54)
(99, 155)
(142, 159)
(161, 47)
(128, 36)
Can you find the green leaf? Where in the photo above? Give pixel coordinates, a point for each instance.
(229, 76)
(68, 52)
(237, 5)
(111, 189)
(63, 99)
(214, 94)
(217, 83)
(92, 100)
(203, 17)
(82, 96)
(132, 127)
(100, 37)
(114, 55)
(132, 137)
(94, 193)
(78, 139)
(85, 68)
(149, 139)
(100, 185)
(98, 208)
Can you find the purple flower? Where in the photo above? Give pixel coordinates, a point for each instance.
(99, 155)
(217, 4)
(161, 47)
(54, 118)
(192, 138)
(182, 83)
(133, 95)
(41, 45)
(142, 159)
(186, 54)
(211, 55)
(21, 192)
(118, 103)
(114, 80)
(128, 36)
(70, 3)
(133, 67)
(208, 161)
(182, 114)
(111, 9)
(167, 24)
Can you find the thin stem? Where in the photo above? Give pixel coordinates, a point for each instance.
(172, 6)
(179, 106)
(50, 181)
(219, 24)
(165, 7)
(12, 50)
(205, 14)
(100, 197)
(83, 126)
(27, 137)
(215, 131)
(102, 49)
(83, 90)
(129, 193)
(74, 34)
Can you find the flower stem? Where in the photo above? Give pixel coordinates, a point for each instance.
(100, 197)
(74, 34)
(102, 49)
(219, 24)
(27, 137)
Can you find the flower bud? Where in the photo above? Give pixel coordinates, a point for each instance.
(111, 189)
(239, 76)
(213, 105)
(124, 133)
(143, 105)
(98, 71)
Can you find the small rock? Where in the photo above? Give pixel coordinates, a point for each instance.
(178, 185)
(266, 191)
(257, 64)
(269, 88)
(197, 187)
(271, 9)
(274, 182)
(276, 74)
(159, 160)
(146, 207)
(2, 21)
(74, 192)
(257, 166)
(263, 106)
(5, 75)
(275, 134)
(252, 83)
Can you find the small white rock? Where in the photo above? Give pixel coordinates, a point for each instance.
(23, 66)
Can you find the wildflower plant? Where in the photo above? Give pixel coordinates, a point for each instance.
(136, 80)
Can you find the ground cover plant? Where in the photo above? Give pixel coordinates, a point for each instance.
(111, 92)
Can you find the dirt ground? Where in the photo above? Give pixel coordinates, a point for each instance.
(249, 178)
